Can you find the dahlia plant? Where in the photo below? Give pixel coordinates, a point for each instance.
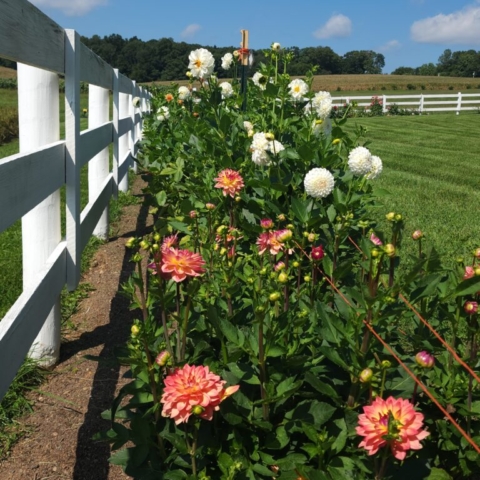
(279, 320)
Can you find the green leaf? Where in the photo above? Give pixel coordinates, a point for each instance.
(161, 198)
(299, 208)
(249, 217)
(262, 470)
(467, 287)
(168, 171)
(180, 226)
(438, 474)
(121, 457)
(320, 386)
(175, 475)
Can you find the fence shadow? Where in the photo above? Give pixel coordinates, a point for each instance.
(92, 457)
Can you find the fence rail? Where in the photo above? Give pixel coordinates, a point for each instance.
(30, 180)
(422, 102)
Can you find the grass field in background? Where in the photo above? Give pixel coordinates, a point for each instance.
(431, 168)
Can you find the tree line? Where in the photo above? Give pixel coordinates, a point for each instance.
(165, 59)
(464, 63)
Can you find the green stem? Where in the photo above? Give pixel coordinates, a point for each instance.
(263, 370)
(184, 329)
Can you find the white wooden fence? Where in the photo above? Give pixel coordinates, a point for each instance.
(423, 103)
(30, 181)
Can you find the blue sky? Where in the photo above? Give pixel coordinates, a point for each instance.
(407, 32)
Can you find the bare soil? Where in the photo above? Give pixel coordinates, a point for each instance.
(68, 407)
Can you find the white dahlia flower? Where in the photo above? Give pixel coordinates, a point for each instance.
(136, 102)
(201, 63)
(259, 142)
(319, 183)
(260, 158)
(227, 90)
(275, 147)
(360, 161)
(163, 113)
(322, 126)
(260, 80)
(377, 167)
(276, 46)
(322, 104)
(183, 93)
(227, 61)
(298, 89)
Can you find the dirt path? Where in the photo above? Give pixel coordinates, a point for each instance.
(67, 412)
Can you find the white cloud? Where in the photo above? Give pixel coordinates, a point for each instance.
(389, 46)
(462, 27)
(337, 26)
(71, 7)
(190, 31)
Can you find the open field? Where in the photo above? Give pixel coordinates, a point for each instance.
(381, 83)
(7, 73)
(431, 169)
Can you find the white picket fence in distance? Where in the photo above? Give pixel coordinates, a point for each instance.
(441, 102)
(30, 181)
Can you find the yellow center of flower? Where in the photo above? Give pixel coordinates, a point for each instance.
(296, 88)
(198, 63)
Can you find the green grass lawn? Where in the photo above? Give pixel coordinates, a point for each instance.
(432, 170)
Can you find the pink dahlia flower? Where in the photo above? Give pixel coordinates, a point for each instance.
(230, 181)
(317, 253)
(193, 390)
(169, 242)
(392, 422)
(425, 359)
(181, 264)
(470, 307)
(269, 241)
(266, 223)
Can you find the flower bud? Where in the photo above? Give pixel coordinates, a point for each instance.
(273, 297)
(155, 247)
(269, 136)
(209, 206)
(281, 217)
(476, 253)
(306, 234)
(260, 309)
(238, 199)
(279, 266)
(398, 217)
(296, 264)
(389, 249)
(263, 271)
(366, 375)
(477, 271)
(162, 358)
(290, 227)
(307, 278)
(135, 330)
(375, 240)
(317, 253)
(137, 258)
(157, 237)
(386, 364)
(284, 235)
(130, 242)
(266, 223)
(193, 214)
(425, 359)
(144, 244)
(221, 229)
(275, 47)
(197, 410)
(469, 273)
(336, 141)
(311, 237)
(390, 216)
(236, 53)
(470, 307)
(283, 277)
(189, 74)
(417, 235)
(375, 252)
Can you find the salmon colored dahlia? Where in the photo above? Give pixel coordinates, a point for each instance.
(193, 390)
(392, 422)
(269, 241)
(181, 264)
(230, 181)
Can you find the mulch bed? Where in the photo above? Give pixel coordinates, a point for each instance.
(68, 407)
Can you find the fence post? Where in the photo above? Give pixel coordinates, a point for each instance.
(384, 109)
(421, 103)
(72, 141)
(38, 109)
(123, 147)
(116, 121)
(459, 103)
(133, 131)
(98, 167)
